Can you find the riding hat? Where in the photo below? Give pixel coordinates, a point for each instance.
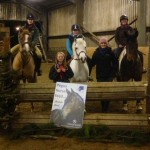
(30, 16)
(75, 27)
(123, 17)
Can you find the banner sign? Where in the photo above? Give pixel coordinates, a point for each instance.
(68, 105)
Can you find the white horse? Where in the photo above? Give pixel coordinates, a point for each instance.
(78, 64)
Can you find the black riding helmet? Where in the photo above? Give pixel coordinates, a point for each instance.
(123, 17)
(30, 16)
(75, 27)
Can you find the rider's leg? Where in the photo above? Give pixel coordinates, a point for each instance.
(142, 60)
(118, 51)
(14, 50)
(68, 58)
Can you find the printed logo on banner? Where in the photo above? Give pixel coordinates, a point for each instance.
(68, 105)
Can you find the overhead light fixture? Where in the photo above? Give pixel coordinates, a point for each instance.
(17, 28)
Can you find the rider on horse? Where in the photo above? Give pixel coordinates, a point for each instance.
(120, 37)
(75, 33)
(34, 34)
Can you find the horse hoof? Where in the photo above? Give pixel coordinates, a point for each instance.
(125, 107)
(139, 107)
(39, 73)
(144, 70)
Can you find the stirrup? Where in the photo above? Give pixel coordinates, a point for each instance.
(139, 106)
(125, 107)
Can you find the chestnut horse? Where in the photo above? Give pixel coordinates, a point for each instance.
(23, 62)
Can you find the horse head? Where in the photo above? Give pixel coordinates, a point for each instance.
(73, 103)
(25, 40)
(131, 44)
(79, 49)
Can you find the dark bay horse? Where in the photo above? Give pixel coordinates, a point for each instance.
(130, 63)
(23, 62)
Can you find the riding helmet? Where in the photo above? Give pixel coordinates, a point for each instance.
(75, 27)
(30, 16)
(123, 17)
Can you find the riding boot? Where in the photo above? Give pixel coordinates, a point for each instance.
(68, 57)
(118, 52)
(38, 66)
(37, 61)
(142, 60)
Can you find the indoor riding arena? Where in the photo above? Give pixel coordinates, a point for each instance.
(33, 33)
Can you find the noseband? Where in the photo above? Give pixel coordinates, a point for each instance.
(78, 54)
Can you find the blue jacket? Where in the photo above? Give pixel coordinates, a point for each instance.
(70, 41)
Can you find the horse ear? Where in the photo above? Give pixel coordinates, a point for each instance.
(68, 92)
(83, 38)
(20, 30)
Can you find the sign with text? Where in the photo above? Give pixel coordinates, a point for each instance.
(68, 105)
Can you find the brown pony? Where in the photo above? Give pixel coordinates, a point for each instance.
(23, 62)
(130, 63)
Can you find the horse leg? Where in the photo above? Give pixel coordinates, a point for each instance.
(32, 79)
(125, 102)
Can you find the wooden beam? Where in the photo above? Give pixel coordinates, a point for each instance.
(35, 92)
(112, 120)
(142, 22)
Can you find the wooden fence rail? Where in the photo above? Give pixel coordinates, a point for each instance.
(138, 121)
(113, 91)
(35, 92)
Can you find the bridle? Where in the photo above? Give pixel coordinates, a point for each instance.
(78, 54)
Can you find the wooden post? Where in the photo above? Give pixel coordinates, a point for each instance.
(79, 12)
(148, 87)
(141, 25)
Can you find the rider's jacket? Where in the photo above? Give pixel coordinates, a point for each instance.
(120, 34)
(34, 34)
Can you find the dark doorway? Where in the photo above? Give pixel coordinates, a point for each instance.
(12, 24)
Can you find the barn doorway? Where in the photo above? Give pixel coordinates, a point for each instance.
(12, 24)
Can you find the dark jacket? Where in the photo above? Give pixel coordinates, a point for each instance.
(106, 63)
(34, 33)
(120, 32)
(62, 76)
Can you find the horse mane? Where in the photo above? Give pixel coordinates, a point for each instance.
(132, 44)
(80, 41)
